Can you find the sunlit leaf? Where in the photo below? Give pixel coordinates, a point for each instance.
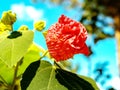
(13, 48)
(6, 73)
(32, 55)
(36, 48)
(45, 79)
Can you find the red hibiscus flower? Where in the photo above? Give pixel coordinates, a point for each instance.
(66, 38)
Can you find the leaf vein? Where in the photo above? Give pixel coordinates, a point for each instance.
(51, 74)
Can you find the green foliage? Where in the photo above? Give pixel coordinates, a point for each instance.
(29, 74)
(6, 73)
(48, 77)
(13, 49)
(31, 56)
(45, 79)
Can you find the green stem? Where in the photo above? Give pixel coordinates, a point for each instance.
(5, 83)
(15, 75)
(57, 64)
(43, 54)
(12, 28)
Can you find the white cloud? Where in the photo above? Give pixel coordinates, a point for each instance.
(27, 12)
(115, 82)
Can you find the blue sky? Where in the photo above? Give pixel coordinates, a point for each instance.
(28, 12)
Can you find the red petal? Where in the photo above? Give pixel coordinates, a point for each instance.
(66, 38)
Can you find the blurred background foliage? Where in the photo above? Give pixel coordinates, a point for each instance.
(91, 18)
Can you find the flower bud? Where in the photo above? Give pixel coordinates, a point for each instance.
(40, 25)
(8, 18)
(23, 28)
(4, 27)
(45, 33)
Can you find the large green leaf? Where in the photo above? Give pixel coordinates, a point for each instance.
(6, 73)
(29, 74)
(32, 55)
(49, 77)
(74, 82)
(45, 79)
(14, 46)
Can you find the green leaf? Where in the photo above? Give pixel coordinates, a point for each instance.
(91, 81)
(6, 73)
(49, 77)
(39, 49)
(29, 74)
(13, 49)
(74, 82)
(45, 79)
(32, 55)
(36, 48)
(14, 34)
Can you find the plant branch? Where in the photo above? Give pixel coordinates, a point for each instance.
(43, 54)
(15, 75)
(5, 83)
(57, 64)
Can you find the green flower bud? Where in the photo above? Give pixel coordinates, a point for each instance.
(8, 18)
(4, 27)
(40, 25)
(45, 33)
(23, 28)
